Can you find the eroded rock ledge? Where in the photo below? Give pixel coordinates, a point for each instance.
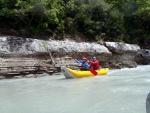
(26, 56)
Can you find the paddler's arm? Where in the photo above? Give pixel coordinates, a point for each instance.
(79, 62)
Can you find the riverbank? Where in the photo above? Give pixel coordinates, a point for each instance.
(22, 57)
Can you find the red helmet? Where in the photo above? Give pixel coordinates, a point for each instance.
(84, 58)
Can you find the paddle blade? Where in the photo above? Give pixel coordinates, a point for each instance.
(93, 72)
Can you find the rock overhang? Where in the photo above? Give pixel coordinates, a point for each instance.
(122, 47)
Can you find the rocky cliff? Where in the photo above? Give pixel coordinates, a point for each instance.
(23, 56)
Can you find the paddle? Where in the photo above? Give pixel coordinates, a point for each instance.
(90, 69)
(93, 72)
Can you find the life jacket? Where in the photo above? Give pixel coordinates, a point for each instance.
(95, 65)
(85, 65)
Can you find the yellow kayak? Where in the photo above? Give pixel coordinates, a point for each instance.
(70, 73)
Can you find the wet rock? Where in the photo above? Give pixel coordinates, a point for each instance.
(129, 64)
(2, 77)
(143, 57)
(31, 76)
(113, 65)
(41, 75)
(17, 77)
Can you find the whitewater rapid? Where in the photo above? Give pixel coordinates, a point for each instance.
(121, 91)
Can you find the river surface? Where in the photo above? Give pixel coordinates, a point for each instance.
(121, 91)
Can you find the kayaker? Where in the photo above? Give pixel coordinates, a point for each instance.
(94, 64)
(85, 65)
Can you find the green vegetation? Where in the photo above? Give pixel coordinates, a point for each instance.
(110, 20)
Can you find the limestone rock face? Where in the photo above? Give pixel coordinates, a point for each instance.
(21, 56)
(20, 46)
(82, 47)
(25, 46)
(121, 47)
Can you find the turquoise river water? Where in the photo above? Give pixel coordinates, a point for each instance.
(121, 91)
